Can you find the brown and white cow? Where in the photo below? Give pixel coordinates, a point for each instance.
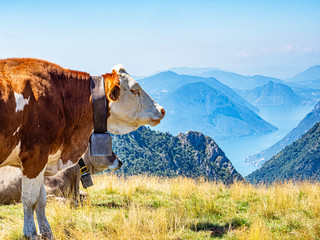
(46, 120)
(62, 186)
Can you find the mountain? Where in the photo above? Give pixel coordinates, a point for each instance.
(271, 94)
(300, 161)
(310, 96)
(307, 84)
(161, 84)
(312, 73)
(237, 81)
(192, 154)
(309, 120)
(194, 71)
(199, 107)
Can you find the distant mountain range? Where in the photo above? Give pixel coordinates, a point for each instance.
(195, 71)
(237, 81)
(231, 79)
(300, 161)
(307, 84)
(308, 80)
(205, 105)
(192, 154)
(166, 82)
(271, 93)
(310, 74)
(309, 95)
(309, 120)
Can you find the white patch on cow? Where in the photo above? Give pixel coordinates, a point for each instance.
(30, 187)
(13, 159)
(43, 224)
(20, 101)
(55, 163)
(29, 197)
(118, 68)
(16, 131)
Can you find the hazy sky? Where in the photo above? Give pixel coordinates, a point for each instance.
(271, 37)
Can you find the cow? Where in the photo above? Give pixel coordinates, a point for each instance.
(46, 119)
(62, 186)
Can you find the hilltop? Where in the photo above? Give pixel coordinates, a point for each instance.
(271, 94)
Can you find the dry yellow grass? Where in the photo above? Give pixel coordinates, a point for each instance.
(142, 207)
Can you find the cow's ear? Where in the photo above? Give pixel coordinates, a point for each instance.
(114, 93)
(112, 85)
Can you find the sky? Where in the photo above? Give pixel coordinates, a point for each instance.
(275, 38)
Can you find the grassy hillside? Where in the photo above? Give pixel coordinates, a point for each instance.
(300, 160)
(141, 207)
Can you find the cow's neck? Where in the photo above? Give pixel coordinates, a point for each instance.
(77, 102)
(78, 113)
(78, 118)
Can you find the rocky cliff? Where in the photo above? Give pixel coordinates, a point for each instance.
(192, 154)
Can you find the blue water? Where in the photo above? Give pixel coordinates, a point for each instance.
(285, 118)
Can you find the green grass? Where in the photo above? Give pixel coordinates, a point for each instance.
(142, 207)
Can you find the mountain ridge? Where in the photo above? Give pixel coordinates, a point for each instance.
(193, 154)
(310, 74)
(298, 161)
(231, 79)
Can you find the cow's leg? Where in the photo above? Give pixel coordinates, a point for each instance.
(30, 197)
(43, 223)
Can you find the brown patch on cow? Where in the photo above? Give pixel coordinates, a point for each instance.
(58, 113)
(112, 87)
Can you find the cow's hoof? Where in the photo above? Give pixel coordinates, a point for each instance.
(34, 237)
(47, 236)
(84, 198)
(30, 233)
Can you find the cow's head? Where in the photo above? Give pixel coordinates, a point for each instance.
(129, 105)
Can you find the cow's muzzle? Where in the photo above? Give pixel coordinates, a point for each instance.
(117, 164)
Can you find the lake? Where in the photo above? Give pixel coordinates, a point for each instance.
(285, 118)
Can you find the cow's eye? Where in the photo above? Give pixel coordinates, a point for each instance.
(135, 91)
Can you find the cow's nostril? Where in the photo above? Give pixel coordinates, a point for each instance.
(163, 112)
